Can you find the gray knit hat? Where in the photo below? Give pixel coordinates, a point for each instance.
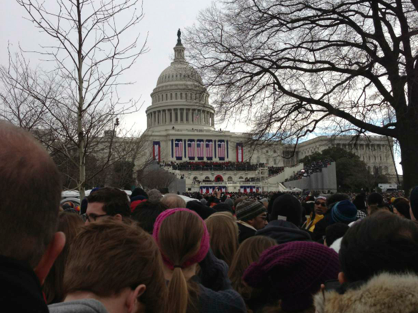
(248, 209)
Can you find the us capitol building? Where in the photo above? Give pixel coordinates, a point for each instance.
(182, 137)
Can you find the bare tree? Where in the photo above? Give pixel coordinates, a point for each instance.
(295, 66)
(78, 98)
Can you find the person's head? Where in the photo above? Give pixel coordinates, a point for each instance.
(105, 202)
(223, 231)
(223, 207)
(413, 198)
(287, 208)
(31, 187)
(173, 201)
(321, 205)
(139, 192)
(252, 212)
(248, 252)
(146, 213)
(271, 201)
(109, 259)
(292, 273)
(53, 287)
(336, 197)
(401, 208)
(184, 241)
(343, 212)
(380, 243)
(360, 202)
(333, 232)
(154, 195)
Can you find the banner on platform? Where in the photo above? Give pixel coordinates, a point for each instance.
(191, 149)
(209, 150)
(156, 151)
(200, 148)
(210, 189)
(240, 152)
(221, 150)
(248, 189)
(178, 147)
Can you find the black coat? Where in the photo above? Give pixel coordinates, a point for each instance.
(244, 232)
(20, 290)
(283, 231)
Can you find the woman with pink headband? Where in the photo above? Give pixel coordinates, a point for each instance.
(184, 243)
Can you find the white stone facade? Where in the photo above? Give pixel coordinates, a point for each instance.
(180, 111)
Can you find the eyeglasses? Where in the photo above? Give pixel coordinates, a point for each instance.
(93, 217)
(321, 203)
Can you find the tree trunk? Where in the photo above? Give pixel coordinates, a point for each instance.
(408, 141)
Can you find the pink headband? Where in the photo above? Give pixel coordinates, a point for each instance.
(204, 243)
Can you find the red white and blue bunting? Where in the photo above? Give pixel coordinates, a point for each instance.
(156, 151)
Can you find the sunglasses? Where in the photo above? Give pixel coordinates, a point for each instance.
(321, 203)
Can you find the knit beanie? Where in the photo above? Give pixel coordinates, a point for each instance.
(287, 208)
(249, 209)
(413, 199)
(293, 272)
(204, 243)
(344, 212)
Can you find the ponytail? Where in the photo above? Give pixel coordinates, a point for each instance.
(178, 295)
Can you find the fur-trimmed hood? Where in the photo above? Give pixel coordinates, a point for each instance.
(385, 293)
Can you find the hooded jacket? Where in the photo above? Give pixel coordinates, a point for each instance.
(283, 231)
(384, 293)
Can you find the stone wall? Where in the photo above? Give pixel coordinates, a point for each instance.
(323, 181)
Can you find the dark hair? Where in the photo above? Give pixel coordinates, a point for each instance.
(375, 198)
(337, 197)
(115, 201)
(146, 213)
(287, 205)
(30, 185)
(223, 207)
(53, 287)
(360, 202)
(271, 201)
(335, 231)
(139, 192)
(402, 206)
(383, 242)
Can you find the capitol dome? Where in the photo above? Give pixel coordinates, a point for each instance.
(180, 99)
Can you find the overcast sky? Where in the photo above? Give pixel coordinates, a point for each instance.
(161, 21)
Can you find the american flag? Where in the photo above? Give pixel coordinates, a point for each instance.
(179, 149)
(190, 149)
(221, 150)
(200, 149)
(209, 149)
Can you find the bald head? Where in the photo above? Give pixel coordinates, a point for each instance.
(173, 201)
(31, 187)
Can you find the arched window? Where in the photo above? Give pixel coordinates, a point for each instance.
(229, 178)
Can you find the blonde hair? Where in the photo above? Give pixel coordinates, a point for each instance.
(249, 251)
(179, 239)
(223, 230)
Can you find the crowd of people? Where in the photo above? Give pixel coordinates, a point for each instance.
(213, 166)
(154, 252)
(312, 168)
